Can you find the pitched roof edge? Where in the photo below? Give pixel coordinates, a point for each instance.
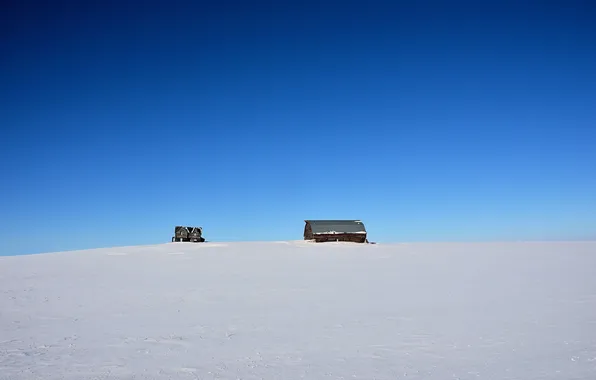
(334, 220)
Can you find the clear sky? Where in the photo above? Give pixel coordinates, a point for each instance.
(430, 121)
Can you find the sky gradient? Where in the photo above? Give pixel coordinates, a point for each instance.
(433, 121)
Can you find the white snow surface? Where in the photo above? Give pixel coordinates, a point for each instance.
(300, 310)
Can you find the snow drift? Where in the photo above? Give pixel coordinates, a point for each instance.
(291, 310)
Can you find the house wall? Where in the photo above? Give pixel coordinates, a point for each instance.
(356, 238)
(181, 232)
(308, 232)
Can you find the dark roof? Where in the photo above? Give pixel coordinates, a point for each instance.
(336, 226)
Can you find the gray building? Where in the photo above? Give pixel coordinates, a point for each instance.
(335, 230)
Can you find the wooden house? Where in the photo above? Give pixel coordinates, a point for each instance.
(335, 230)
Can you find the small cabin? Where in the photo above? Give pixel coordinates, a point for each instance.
(335, 230)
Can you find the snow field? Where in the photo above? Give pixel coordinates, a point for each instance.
(292, 310)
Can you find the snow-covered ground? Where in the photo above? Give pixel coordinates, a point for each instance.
(292, 310)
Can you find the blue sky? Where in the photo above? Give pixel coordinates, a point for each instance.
(430, 121)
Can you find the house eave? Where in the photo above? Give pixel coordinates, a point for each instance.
(339, 233)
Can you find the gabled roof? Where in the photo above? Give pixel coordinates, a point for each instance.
(336, 226)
